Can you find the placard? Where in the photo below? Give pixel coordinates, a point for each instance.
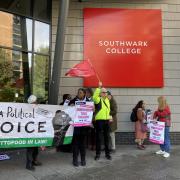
(157, 132)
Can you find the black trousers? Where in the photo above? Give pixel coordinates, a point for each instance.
(102, 127)
(79, 144)
(31, 155)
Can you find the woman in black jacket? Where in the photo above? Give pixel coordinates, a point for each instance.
(80, 133)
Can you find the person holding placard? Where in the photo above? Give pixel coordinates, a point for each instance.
(163, 114)
(80, 133)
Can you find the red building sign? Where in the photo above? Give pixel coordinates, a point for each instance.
(124, 47)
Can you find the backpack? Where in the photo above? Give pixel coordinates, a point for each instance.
(133, 116)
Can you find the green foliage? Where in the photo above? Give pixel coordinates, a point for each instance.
(6, 68)
(8, 75)
(40, 77)
(7, 94)
(19, 99)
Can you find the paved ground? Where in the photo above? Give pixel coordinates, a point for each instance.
(128, 164)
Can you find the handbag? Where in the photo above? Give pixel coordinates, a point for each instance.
(144, 127)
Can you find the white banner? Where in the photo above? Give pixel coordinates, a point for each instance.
(157, 132)
(28, 125)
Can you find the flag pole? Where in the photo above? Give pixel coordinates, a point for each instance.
(94, 70)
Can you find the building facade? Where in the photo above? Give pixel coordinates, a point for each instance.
(126, 97)
(73, 48)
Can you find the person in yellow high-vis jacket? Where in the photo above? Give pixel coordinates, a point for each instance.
(102, 116)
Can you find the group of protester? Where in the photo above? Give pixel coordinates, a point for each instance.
(105, 124)
(162, 114)
(105, 110)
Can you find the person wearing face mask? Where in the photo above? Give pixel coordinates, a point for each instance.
(102, 116)
(80, 133)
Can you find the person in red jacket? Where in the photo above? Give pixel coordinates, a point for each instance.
(163, 114)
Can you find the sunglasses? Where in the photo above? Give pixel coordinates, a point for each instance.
(104, 92)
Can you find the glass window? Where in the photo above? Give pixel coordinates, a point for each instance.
(15, 31)
(24, 49)
(40, 76)
(27, 72)
(14, 75)
(6, 29)
(29, 34)
(6, 67)
(42, 10)
(30, 67)
(41, 41)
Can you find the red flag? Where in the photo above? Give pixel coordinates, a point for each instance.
(83, 69)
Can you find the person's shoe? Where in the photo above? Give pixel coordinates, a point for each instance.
(31, 168)
(58, 149)
(143, 146)
(36, 163)
(140, 147)
(75, 163)
(97, 157)
(83, 163)
(108, 157)
(160, 152)
(166, 154)
(112, 150)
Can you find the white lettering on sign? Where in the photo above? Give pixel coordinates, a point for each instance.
(123, 47)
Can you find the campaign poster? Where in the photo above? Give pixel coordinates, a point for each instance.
(157, 132)
(84, 113)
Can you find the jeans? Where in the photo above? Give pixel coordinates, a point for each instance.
(166, 146)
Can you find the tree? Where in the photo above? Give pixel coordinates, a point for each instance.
(6, 74)
(40, 76)
(6, 68)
